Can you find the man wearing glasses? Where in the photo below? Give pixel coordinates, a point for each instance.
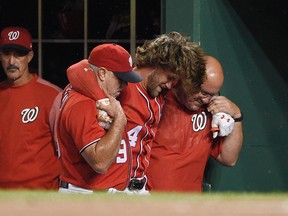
(184, 140)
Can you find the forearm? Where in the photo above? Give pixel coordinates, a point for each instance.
(101, 155)
(107, 148)
(232, 145)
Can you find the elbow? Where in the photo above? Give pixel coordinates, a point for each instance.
(101, 171)
(101, 168)
(97, 162)
(230, 163)
(103, 165)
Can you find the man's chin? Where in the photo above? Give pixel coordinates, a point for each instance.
(193, 107)
(164, 92)
(153, 94)
(13, 78)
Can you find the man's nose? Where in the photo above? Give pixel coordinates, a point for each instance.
(169, 84)
(205, 100)
(11, 59)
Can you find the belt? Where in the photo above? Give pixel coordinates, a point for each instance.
(73, 188)
(137, 184)
(64, 184)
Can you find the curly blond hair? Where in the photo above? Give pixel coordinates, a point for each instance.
(176, 53)
(193, 68)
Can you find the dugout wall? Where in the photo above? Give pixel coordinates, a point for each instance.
(250, 40)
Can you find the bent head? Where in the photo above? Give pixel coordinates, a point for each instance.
(159, 81)
(195, 99)
(108, 81)
(113, 67)
(168, 58)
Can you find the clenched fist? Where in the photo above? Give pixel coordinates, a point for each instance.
(222, 124)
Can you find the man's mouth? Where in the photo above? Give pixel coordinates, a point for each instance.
(12, 68)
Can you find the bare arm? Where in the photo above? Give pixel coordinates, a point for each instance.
(232, 144)
(101, 155)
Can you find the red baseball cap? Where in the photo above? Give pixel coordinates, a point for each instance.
(16, 38)
(114, 58)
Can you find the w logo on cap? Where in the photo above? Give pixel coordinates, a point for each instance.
(16, 38)
(13, 35)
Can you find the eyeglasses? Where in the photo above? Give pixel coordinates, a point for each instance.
(207, 94)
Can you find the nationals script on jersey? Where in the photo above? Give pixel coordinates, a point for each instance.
(143, 115)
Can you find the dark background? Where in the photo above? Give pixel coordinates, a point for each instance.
(267, 20)
(62, 28)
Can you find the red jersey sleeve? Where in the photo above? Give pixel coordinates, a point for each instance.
(82, 124)
(217, 147)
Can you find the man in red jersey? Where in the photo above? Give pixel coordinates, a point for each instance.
(160, 62)
(28, 158)
(184, 141)
(94, 154)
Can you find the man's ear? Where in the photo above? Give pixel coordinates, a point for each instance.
(30, 55)
(102, 73)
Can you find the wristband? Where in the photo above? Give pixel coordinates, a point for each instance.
(239, 119)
